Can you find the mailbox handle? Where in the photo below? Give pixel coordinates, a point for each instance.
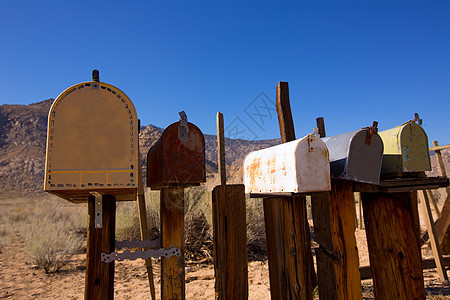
(95, 75)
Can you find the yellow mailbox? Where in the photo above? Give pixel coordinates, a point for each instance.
(92, 143)
(405, 149)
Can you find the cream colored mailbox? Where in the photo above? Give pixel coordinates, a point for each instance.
(299, 166)
(405, 149)
(92, 143)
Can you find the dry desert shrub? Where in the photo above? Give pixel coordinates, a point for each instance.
(49, 231)
(256, 232)
(50, 244)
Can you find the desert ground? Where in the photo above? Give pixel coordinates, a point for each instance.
(20, 278)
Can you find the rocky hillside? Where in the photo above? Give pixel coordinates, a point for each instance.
(23, 130)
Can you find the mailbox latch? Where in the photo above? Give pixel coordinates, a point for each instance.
(311, 138)
(183, 129)
(371, 131)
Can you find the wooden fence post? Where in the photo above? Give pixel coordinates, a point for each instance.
(395, 263)
(100, 275)
(291, 267)
(334, 230)
(172, 235)
(230, 231)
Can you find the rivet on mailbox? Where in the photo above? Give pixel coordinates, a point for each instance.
(299, 166)
(178, 157)
(92, 143)
(405, 149)
(356, 155)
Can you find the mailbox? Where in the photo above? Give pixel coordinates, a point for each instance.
(299, 166)
(405, 149)
(92, 143)
(178, 157)
(356, 155)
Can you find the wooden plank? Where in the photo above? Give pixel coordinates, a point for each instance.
(321, 125)
(443, 229)
(434, 203)
(428, 263)
(396, 266)
(143, 222)
(99, 278)
(441, 166)
(337, 255)
(438, 148)
(435, 248)
(230, 242)
(285, 120)
(403, 185)
(291, 268)
(289, 248)
(443, 223)
(221, 149)
(172, 235)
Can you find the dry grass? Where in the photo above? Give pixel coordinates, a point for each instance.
(49, 228)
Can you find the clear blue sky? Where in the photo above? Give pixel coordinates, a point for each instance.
(351, 62)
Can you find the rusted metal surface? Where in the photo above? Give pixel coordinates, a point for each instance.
(299, 166)
(92, 143)
(175, 161)
(356, 155)
(405, 149)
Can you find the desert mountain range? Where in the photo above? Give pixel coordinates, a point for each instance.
(23, 132)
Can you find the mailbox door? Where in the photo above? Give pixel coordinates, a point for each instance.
(176, 162)
(405, 149)
(92, 143)
(365, 159)
(353, 159)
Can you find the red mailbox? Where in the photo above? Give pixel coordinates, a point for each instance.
(178, 157)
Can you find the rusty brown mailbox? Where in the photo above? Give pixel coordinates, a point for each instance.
(178, 157)
(356, 155)
(92, 143)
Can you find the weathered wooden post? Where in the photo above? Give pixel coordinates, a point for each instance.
(230, 231)
(175, 162)
(291, 267)
(92, 157)
(354, 157)
(283, 175)
(443, 223)
(390, 214)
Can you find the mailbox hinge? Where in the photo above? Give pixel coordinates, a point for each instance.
(332, 254)
(98, 210)
(183, 130)
(132, 255)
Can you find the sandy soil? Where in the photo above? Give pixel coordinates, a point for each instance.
(20, 280)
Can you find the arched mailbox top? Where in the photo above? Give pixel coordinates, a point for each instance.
(177, 158)
(299, 166)
(405, 149)
(356, 155)
(92, 143)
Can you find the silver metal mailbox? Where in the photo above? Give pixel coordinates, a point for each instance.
(356, 155)
(299, 166)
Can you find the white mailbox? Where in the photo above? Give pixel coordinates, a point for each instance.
(299, 166)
